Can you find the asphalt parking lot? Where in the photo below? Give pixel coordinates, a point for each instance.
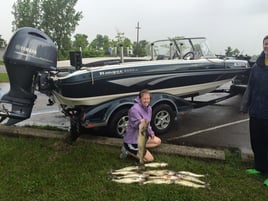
(219, 126)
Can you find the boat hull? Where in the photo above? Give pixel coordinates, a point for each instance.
(91, 87)
(184, 91)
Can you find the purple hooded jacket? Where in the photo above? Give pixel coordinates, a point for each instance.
(135, 114)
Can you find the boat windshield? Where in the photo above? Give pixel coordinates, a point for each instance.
(181, 48)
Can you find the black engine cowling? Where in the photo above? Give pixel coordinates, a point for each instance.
(29, 52)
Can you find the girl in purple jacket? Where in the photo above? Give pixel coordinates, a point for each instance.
(140, 112)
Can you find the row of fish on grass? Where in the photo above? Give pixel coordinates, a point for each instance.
(150, 175)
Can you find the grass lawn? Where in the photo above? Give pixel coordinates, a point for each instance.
(39, 169)
(4, 77)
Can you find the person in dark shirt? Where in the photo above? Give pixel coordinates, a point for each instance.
(255, 102)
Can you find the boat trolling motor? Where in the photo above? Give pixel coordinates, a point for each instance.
(28, 53)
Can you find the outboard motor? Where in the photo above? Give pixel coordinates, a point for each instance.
(29, 52)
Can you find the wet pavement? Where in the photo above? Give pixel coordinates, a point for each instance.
(219, 126)
(42, 114)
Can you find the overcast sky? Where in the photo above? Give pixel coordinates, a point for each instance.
(239, 24)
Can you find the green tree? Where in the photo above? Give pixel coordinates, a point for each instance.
(229, 52)
(3, 43)
(80, 41)
(57, 18)
(26, 14)
(120, 37)
(142, 50)
(121, 40)
(64, 53)
(101, 43)
(236, 52)
(127, 44)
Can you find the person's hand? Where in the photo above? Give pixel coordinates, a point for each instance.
(143, 121)
(152, 136)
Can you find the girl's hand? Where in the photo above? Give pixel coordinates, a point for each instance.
(144, 121)
(152, 136)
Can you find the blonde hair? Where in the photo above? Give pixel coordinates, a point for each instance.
(144, 91)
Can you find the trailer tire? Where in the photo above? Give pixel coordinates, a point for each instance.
(118, 123)
(163, 118)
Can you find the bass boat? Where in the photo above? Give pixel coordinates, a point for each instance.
(181, 67)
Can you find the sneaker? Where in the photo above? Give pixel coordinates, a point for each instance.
(123, 153)
(254, 172)
(265, 182)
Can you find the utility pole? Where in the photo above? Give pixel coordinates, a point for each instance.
(138, 31)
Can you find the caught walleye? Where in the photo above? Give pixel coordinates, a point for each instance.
(190, 174)
(190, 184)
(158, 181)
(142, 138)
(160, 172)
(135, 168)
(133, 174)
(128, 180)
(129, 168)
(155, 165)
(190, 179)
